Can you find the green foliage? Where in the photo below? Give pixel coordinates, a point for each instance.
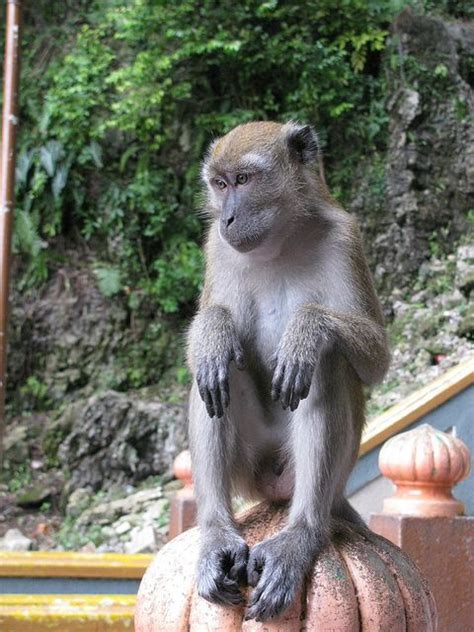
(18, 478)
(109, 280)
(50, 443)
(120, 99)
(34, 394)
(115, 124)
(71, 538)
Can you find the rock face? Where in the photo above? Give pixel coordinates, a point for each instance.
(427, 176)
(465, 269)
(67, 333)
(135, 523)
(117, 438)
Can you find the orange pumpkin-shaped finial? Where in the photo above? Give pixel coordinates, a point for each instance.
(424, 464)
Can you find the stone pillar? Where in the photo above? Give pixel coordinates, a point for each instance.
(183, 505)
(427, 522)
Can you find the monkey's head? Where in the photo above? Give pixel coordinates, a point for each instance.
(259, 177)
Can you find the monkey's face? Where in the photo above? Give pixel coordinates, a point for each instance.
(253, 175)
(246, 206)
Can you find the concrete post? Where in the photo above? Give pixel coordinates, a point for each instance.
(183, 505)
(424, 519)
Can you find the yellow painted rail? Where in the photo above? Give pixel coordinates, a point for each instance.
(417, 404)
(67, 564)
(67, 613)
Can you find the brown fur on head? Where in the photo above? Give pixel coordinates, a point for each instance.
(272, 141)
(260, 176)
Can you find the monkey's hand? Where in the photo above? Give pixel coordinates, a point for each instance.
(295, 362)
(217, 348)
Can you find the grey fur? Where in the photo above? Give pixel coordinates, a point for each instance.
(288, 331)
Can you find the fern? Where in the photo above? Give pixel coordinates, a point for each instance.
(26, 237)
(109, 280)
(50, 155)
(23, 165)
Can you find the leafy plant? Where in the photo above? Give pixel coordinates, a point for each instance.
(117, 121)
(120, 98)
(109, 280)
(35, 393)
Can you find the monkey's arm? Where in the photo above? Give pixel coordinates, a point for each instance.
(359, 338)
(362, 340)
(212, 345)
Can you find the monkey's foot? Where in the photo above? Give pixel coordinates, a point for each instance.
(222, 569)
(276, 568)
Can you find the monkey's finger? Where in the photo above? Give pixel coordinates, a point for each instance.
(202, 382)
(277, 382)
(305, 391)
(287, 385)
(306, 378)
(254, 569)
(213, 385)
(209, 404)
(301, 387)
(224, 388)
(206, 398)
(294, 399)
(216, 402)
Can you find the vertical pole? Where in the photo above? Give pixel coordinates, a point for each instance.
(7, 180)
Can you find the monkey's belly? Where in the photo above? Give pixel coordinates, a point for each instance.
(276, 486)
(262, 428)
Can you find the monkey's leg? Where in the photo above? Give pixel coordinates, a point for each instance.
(322, 442)
(224, 553)
(343, 509)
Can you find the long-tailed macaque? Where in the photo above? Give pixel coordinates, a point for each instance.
(288, 331)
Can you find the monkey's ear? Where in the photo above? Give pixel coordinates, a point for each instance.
(302, 142)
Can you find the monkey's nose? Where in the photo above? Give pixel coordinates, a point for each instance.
(230, 220)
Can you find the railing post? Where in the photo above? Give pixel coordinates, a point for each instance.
(425, 520)
(183, 504)
(7, 180)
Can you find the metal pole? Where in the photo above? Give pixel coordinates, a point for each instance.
(7, 181)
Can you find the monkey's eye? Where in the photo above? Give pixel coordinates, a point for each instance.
(242, 178)
(220, 184)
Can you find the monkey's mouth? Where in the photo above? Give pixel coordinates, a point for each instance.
(245, 243)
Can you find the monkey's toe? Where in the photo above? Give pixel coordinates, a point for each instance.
(222, 591)
(238, 572)
(271, 597)
(221, 573)
(276, 575)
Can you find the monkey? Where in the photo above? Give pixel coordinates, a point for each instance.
(287, 334)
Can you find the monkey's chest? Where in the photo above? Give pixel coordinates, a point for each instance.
(273, 311)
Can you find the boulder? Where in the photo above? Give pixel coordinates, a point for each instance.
(117, 437)
(108, 512)
(14, 540)
(143, 540)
